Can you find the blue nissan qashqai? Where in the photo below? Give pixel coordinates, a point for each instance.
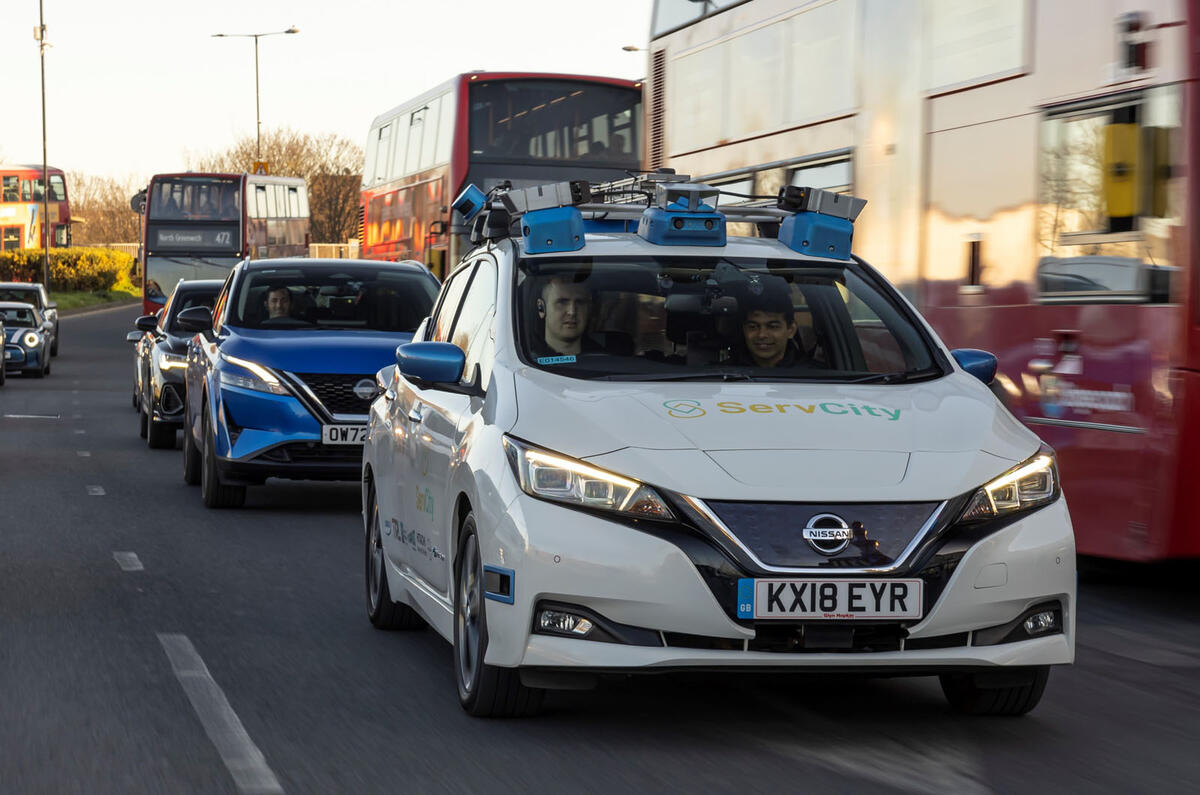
(281, 372)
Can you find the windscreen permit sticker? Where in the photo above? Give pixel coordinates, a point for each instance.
(556, 360)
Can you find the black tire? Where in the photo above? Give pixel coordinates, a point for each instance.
(1000, 693)
(381, 610)
(143, 422)
(40, 372)
(47, 370)
(485, 691)
(160, 435)
(191, 456)
(215, 493)
(54, 347)
(3, 374)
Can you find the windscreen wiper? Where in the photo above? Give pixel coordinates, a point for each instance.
(718, 375)
(898, 377)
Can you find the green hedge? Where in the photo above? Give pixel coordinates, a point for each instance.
(71, 269)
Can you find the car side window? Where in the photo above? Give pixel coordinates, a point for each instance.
(447, 309)
(471, 329)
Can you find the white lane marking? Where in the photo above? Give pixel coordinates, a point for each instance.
(128, 561)
(245, 762)
(95, 491)
(83, 453)
(74, 402)
(31, 416)
(1139, 647)
(77, 416)
(74, 391)
(75, 382)
(80, 430)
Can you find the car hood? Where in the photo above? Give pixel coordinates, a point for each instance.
(317, 351)
(786, 441)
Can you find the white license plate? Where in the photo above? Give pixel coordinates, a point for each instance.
(829, 599)
(343, 434)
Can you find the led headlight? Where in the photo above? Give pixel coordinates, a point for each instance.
(259, 378)
(30, 339)
(555, 477)
(1029, 485)
(167, 361)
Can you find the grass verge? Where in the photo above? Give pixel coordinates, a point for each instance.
(71, 302)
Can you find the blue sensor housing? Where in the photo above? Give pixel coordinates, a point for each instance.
(552, 229)
(667, 228)
(818, 235)
(470, 202)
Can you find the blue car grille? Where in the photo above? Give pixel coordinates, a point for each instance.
(336, 391)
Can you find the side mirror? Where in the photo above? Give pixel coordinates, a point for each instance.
(133, 336)
(980, 364)
(435, 363)
(196, 319)
(384, 378)
(146, 323)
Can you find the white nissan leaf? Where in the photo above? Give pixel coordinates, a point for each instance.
(663, 449)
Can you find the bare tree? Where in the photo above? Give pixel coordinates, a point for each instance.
(100, 209)
(329, 163)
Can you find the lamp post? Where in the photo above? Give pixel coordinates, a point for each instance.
(257, 114)
(40, 34)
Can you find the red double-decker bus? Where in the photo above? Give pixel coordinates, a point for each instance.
(484, 128)
(23, 208)
(1032, 171)
(198, 226)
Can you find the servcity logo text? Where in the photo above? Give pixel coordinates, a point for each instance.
(692, 409)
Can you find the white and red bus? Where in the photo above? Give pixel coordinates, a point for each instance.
(484, 128)
(198, 226)
(23, 208)
(1032, 183)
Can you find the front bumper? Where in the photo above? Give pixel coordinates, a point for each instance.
(640, 580)
(263, 435)
(20, 359)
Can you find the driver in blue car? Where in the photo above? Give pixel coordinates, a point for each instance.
(279, 302)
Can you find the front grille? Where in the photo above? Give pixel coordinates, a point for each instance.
(336, 391)
(774, 531)
(313, 453)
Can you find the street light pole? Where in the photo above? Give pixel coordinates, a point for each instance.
(257, 111)
(41, 37)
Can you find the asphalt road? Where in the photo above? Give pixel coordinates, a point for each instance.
(234, 655)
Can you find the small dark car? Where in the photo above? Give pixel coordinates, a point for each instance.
(26, 342)
(34, 293)
(160, 362)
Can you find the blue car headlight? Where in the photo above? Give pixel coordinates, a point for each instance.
(31, 339)
(255, 377)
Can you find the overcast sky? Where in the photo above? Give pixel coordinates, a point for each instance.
(132, 86)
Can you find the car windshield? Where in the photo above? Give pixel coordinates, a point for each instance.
(25, 295)
(716, 318)
(368, 298)
(19, 317)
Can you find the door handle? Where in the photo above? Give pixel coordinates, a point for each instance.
(414, 415)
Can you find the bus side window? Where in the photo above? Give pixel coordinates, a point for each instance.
(398, 151)
(12, 191)
(270, 194)
(293, 203)
(445, 137)
(258, 202)
(383, 138)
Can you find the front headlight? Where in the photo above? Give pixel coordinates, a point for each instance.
(555, 477)
(1029, 485)
(31, 339)
(257, 378)
(168, 361)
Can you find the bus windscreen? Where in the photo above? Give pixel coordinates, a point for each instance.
(555, 121)
(195, 198)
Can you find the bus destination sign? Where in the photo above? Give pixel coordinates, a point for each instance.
(196, 239)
